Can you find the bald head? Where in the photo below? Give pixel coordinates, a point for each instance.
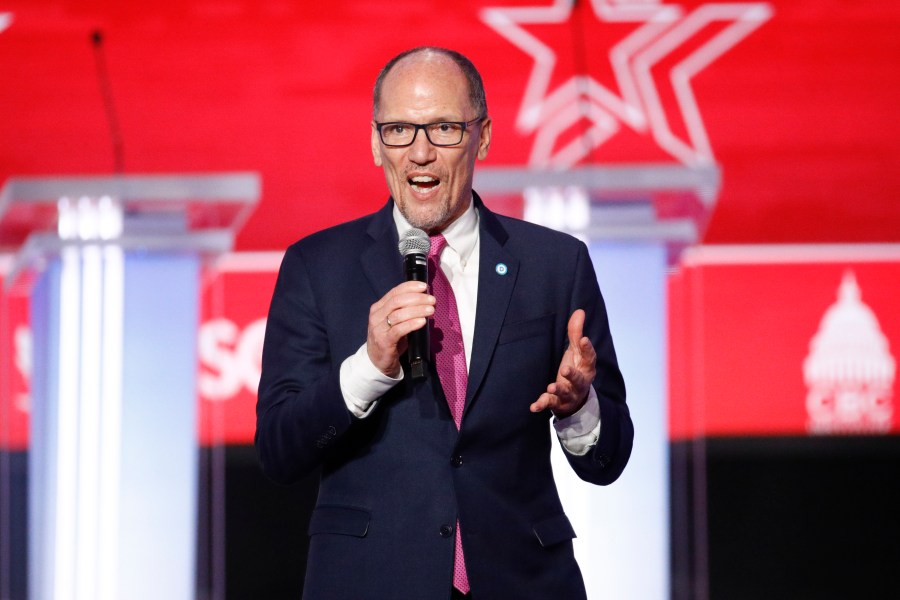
(473, 78)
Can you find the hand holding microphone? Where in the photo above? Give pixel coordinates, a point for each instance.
(414, 247)
(398, 321)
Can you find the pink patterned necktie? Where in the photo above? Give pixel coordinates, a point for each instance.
(450, 360)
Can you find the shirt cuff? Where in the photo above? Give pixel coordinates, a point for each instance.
(362, 384)
(580, 431)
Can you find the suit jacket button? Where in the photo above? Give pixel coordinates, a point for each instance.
(456, 461)
(446, 531)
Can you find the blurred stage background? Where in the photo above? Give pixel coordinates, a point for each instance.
(734, 168)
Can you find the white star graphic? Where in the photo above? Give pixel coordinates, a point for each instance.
(5, 20)
(665, 27)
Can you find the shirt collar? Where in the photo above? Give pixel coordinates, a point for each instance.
(461, 234)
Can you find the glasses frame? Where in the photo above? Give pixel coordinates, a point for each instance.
(463, 124)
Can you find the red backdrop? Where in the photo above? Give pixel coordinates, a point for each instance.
(800, 113)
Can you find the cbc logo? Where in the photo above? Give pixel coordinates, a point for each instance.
(230, 358)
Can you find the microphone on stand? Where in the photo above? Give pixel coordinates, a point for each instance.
(414, 247)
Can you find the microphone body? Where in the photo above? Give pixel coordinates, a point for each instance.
(414, 247)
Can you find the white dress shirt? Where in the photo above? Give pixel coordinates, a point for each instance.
(362, 384)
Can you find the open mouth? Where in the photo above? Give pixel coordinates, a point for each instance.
(423, 183)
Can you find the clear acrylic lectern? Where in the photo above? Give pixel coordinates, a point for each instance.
(112, 267)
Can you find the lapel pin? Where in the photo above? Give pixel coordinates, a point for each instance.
(501, 269)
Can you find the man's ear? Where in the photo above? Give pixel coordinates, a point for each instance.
(376, 145)
(484, 141)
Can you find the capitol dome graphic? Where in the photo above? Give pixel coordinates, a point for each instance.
(849, 371)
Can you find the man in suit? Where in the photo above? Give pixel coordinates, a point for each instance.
(441, 486)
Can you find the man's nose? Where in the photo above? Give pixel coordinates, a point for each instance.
(422, 151)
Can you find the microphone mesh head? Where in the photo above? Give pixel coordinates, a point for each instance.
(415, 241)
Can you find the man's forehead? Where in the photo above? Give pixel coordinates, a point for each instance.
(423, 64)
(426, 82)
(424, 56)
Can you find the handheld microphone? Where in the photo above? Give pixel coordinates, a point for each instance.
(414, 247)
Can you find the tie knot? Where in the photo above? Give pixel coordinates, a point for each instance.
(438, 242)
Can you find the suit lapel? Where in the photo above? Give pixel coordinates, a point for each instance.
(497, 273)
(381, 261)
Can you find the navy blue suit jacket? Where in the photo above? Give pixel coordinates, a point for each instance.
(394, 484)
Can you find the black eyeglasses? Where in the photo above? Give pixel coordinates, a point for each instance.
(440, 133)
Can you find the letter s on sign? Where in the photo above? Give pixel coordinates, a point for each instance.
(219, 378)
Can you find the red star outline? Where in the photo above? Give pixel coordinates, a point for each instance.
(664, 27)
